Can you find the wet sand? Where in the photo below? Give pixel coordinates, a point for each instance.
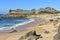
(23, 27)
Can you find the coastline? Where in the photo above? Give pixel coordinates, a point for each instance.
(21, 27)
(16, 25)
(45, 24)
(40, 29)
(35, 25)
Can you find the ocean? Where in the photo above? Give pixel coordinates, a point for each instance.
(8, 22)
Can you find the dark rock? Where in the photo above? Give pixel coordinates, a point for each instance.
(51, 20)
(13, 30)
(31, 36)
(46, 32)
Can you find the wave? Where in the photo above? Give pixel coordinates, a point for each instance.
(20, 24)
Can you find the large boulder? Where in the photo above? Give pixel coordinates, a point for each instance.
(30, 36)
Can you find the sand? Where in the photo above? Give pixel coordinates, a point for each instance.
(40, 29)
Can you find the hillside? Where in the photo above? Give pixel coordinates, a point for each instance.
(27, 13)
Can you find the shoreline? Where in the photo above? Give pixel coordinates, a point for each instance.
(38, 25)
(16, 25)
(23, 27)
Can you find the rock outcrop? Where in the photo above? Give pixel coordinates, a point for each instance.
(26, 13)
(47, 10)
(30, 36)
(57, 36)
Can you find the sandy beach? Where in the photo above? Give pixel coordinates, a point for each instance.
(37, 25)
(20, 28)
(39, 29)
(29, 20)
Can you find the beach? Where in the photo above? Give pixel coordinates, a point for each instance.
(29, 20)
(39, 26)
(21, 27)
(40, 29)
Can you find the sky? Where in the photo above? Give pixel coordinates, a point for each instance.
(5, 5)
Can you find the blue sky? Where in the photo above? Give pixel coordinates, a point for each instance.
(5, 5)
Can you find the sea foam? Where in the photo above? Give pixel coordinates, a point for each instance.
(20, 24)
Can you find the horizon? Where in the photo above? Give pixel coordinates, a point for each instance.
(27, 4)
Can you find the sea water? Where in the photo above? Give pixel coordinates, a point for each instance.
(7, 23)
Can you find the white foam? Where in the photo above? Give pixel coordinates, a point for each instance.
(20, 24)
